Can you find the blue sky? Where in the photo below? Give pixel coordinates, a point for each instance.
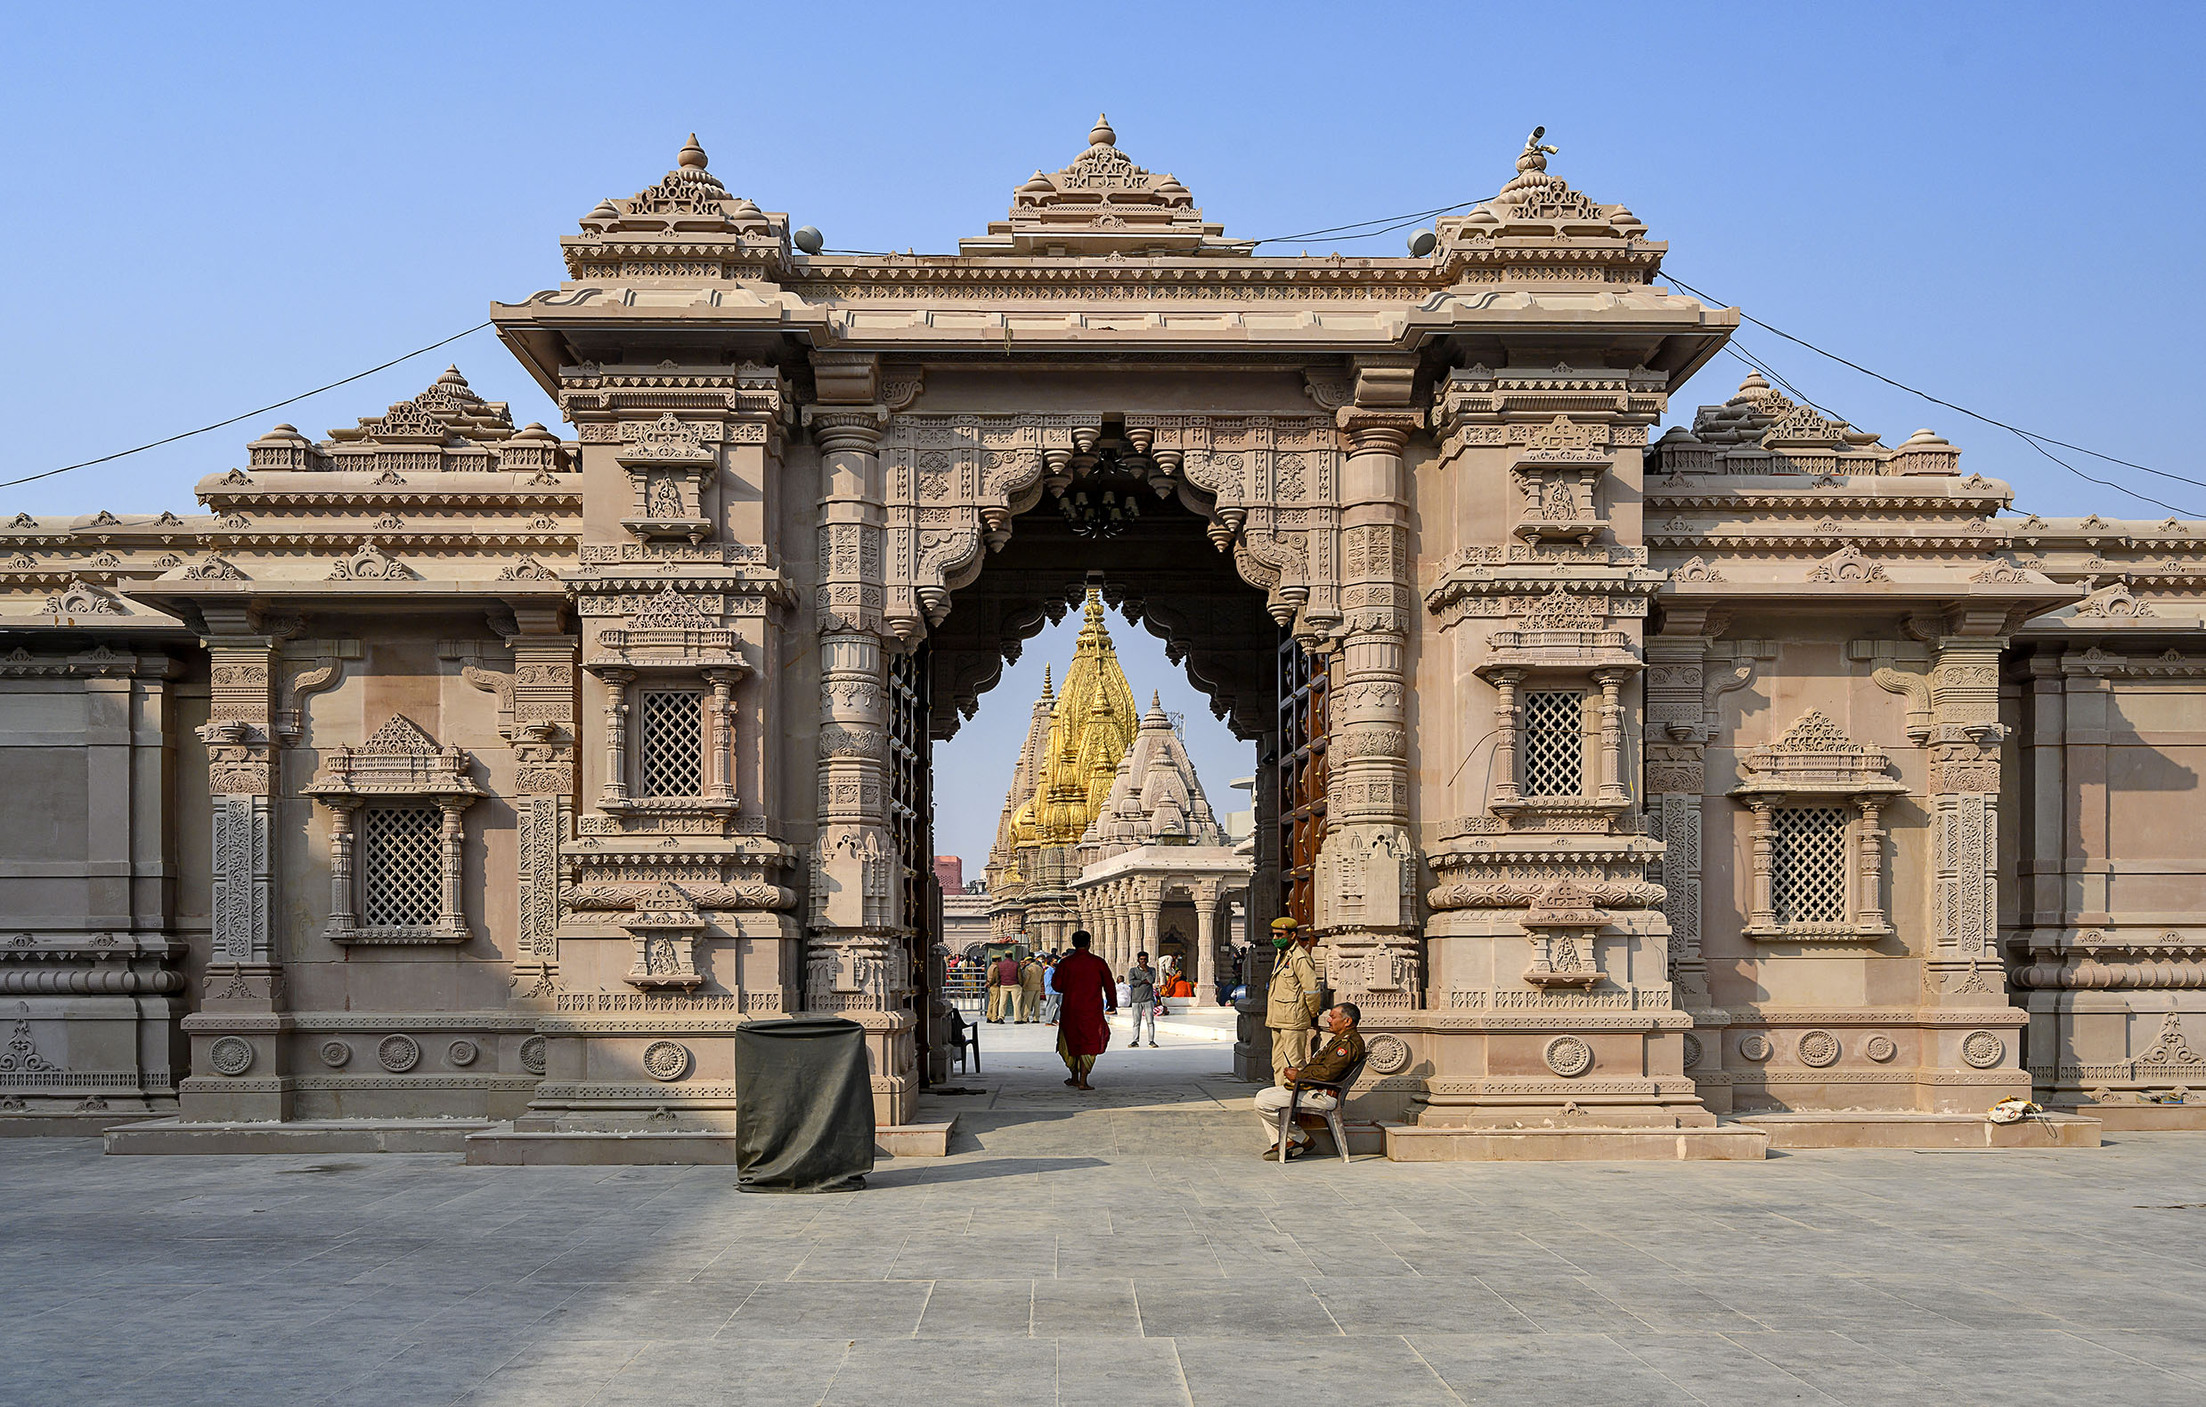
(212, 208)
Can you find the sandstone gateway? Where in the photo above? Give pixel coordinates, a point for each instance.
(451, 784)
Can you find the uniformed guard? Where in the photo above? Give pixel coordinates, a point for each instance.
(1337, 1054)
(1295, 998)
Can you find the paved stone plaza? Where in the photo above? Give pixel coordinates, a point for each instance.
(1163, 1264)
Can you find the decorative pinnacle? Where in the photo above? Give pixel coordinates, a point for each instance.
(1101, 134)
(1045, 681)
(693, 155)
(452, 377)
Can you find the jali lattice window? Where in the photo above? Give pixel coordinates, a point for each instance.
(1816, 843)
(401, 865)
(1554, 748)
(1808, 864)
(396, 842)
(671, 743)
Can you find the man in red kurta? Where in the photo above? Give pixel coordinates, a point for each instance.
(1088, 991)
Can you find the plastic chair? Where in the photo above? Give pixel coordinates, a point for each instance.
(964, 1043)
(1336, 1088)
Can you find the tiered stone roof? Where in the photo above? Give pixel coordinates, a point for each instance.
(1102, 203)
(688, 226)
(1155, 796)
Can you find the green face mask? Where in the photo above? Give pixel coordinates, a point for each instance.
(1283, 942)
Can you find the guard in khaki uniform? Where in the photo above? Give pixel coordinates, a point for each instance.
(1292, 1003)
(1336, 1055)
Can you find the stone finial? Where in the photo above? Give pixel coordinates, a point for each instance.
(452, 377)
(693, 155)
(1753, 386)
(1101, 134)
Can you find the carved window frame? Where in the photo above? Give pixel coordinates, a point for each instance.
(668, 644)
(399, 765)
(1815, 765)
(626, 739)
(1602, 783)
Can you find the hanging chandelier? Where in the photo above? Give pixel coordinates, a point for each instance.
(1103, 498)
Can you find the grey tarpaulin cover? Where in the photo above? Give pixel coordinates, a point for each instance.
(803, 1106)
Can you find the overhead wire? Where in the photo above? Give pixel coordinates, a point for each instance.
(2029, 437)
(1385, 224)
(246, 415)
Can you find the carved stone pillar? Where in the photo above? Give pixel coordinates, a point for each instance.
(853, 967)
(1206, 947)
(617, 681)
(544, 738)
(244, 986)
(1367, 865)
(1612, 788)
(1762, 901)
(1506, 795)
(720, 784)
(1152, 918)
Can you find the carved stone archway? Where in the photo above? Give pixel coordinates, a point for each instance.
(1313, 510)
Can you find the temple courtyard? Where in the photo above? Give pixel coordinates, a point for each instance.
(1127, 1250)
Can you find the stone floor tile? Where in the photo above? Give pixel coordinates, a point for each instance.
(554, 1373)
(1721, 1371)
(1119, 1373)
(1547, 1370)
(849, 1309)
(881, 1373)
(1085, 1309)
(1246, 1309)
(975, 1258)
(752, 1372)
(1131, 1255)
(1417, 1304)
(1362, 1372)
(978, 1309)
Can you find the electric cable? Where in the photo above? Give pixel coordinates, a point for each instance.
(279, 405)
(1386, 224)
(2031, 437)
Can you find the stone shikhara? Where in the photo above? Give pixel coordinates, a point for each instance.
(1762, 768)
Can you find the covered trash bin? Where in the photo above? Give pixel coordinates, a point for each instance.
(803, 1106)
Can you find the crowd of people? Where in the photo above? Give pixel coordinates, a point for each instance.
(1076, 992)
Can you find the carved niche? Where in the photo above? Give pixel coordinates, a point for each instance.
(668, 462)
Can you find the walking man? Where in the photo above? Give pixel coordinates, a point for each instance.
(1003, 988)
(1141, 998)
(1337, 1055)
(1088, 993)
(1049, 989)
(1292, 1004)
(1030, 990)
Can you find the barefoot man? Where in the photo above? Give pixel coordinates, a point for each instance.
(1087, 992)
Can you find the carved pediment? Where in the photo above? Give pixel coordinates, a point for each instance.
(671, 630)
(1815, 755)
(398, 759)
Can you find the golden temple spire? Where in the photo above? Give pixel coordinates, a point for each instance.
(1089, 731)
